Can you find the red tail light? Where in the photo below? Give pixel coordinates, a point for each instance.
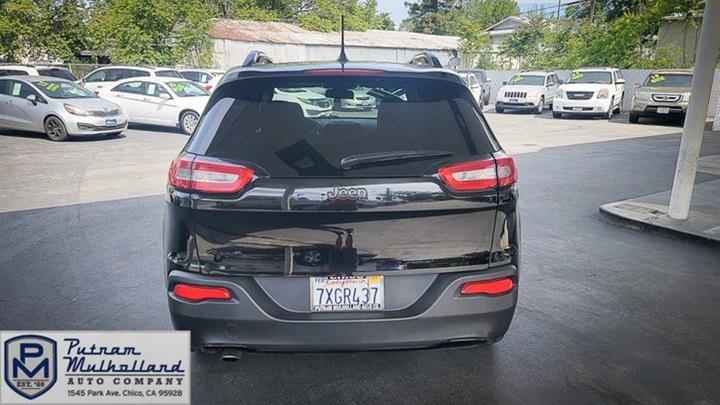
(200, 293)
(489, 287)
(208, 87)
(480, 175)
(208, 177)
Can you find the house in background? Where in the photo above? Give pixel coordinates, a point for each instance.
(498, 33)
(284, 42)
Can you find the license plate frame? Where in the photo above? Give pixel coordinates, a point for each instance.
(663, 110)
(514, 100)
(351, 297)
(111, 122)
(577, 109)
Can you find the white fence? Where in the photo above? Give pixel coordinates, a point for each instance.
(633, 77)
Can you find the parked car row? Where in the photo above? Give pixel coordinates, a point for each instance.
(591, 92)
(50, 99)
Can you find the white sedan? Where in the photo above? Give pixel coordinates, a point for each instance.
(166, 102)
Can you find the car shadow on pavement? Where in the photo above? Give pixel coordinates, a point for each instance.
(154, 128)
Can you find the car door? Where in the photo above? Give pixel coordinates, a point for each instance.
(4, 100)
(475, 88)
(619, 88)
(159, 105)
(130, 97)
(550, 88)
(19, 112)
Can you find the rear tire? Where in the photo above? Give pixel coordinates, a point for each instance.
(634, 118)
(55, 129)
(499, 110)
(188, 122)
(557, 114)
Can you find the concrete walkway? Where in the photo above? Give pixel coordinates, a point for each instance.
(649, 212)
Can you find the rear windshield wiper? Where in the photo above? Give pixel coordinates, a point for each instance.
(372, 159)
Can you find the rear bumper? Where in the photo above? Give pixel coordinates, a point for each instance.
(253, 321)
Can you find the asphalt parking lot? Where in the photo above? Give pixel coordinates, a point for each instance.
(606, 314)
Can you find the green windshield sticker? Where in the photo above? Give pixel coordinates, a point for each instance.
(656, 78)
(576, 75)
(516, 79)
(179, 87)
(42, 84)
(48, 86)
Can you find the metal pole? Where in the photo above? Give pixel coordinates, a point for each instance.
(706, 56)
(558, 11)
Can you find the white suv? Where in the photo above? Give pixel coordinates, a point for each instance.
(36, 70)
(592, 91)
(528, 91)
(106, 76)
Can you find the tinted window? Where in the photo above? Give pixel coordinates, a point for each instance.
(668, 80)
(61, 73)
(168, 73)
(525, 80)
(96, 76)
(62, 89)
(305, 127)
(154, 89)
(11, 72)
(194, 76)
(130, 87)
(128, 73)
(20, 89)
(186, 89)
(590, 77)
(5, 87)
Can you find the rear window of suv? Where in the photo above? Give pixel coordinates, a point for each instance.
(289, 127)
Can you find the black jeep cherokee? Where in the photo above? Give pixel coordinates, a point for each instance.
(328, 206)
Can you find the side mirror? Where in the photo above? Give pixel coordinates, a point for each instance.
(504, 82)
(32, 98)
(620, 81)
(488, 80)
(165, 96)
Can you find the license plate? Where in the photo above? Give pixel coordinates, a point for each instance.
(577, 109)
(340, 294)
(663, 110)
(111, 123)
(513, 100)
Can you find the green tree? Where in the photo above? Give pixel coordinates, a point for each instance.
(43, 29)
(325, 15)
(525, 43)
(485, 13)
(438, 17)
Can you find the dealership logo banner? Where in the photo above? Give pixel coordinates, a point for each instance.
(94, 367)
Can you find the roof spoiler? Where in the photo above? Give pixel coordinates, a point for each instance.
(255, 58)
(428, 59)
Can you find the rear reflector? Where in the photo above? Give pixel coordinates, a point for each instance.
(200, 293)
(490, 287)
(208, 176)
(480, 174)
(360, 72)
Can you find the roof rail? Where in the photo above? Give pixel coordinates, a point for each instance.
(256, 58)
(426, 59)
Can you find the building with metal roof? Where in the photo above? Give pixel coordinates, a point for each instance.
(284, 42)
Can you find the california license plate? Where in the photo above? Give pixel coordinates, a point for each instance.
(663, 110)
(111, 123)
(340, 294)
(577, 109)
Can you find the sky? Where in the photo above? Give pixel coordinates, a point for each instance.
(398, 11)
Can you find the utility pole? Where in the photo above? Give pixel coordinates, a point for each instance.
(558, 11)
(708, 50)
(592, 11)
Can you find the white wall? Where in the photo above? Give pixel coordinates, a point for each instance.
(228, 53)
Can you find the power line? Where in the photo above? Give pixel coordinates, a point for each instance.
(558, 7)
